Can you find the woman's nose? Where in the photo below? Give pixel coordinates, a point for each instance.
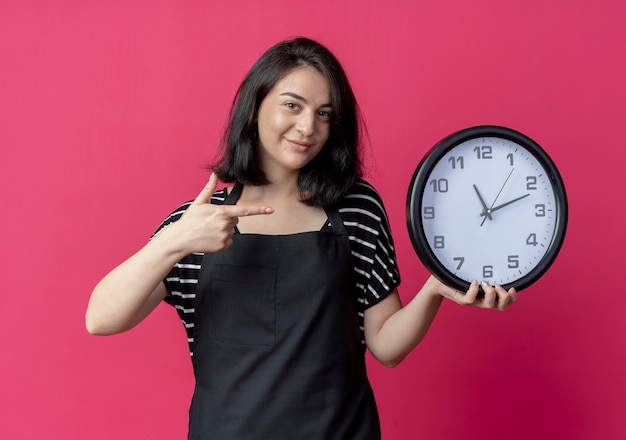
(306, 123)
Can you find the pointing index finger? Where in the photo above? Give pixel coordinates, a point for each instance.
(245, 211)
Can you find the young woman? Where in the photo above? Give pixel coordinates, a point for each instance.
(285, 277)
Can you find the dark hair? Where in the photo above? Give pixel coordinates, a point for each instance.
(337, 166)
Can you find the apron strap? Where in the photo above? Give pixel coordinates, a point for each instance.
(335, 220)
(234, 195)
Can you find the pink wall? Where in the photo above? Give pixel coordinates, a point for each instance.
(114, 107)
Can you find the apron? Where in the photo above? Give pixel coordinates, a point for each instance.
(278, 351)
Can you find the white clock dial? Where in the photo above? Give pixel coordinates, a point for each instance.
(487, 203)
(488, 210)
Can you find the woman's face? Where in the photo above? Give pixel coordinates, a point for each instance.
(294, 122)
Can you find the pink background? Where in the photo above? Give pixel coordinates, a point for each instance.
(109, 110)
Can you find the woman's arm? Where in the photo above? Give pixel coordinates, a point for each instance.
(132, 290)
(126, 295)
(392, 331)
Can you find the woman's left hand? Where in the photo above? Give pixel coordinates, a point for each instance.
(495, 297)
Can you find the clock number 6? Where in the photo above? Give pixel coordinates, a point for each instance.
(487, 271)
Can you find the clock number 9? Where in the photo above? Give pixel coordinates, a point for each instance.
(429, 212)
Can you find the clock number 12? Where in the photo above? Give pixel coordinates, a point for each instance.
(483, 152)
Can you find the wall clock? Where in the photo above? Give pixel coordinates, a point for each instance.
(487, 203)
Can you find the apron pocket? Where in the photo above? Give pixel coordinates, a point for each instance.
(242, 305)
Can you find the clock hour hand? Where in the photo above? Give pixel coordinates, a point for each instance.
(486, 211)
(495, 208)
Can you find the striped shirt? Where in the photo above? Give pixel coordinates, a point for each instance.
(373, 256)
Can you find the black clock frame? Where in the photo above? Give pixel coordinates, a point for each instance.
(418, 185)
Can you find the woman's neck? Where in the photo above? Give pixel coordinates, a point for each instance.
(284, 189)
(290, 214)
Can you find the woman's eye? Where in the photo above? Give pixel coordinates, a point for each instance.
(325, 114)
(291, 105)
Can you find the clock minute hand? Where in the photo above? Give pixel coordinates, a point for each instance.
(496, 199)
(507, 203)
(503, 185)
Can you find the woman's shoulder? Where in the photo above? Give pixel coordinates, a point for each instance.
(364, 195)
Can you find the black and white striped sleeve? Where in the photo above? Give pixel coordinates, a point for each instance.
(373, 252)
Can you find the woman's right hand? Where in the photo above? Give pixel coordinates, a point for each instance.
(129, 293)
(205, 227)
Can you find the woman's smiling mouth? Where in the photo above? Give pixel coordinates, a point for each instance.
(299, 145)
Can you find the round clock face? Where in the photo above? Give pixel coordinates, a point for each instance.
(488, 204)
